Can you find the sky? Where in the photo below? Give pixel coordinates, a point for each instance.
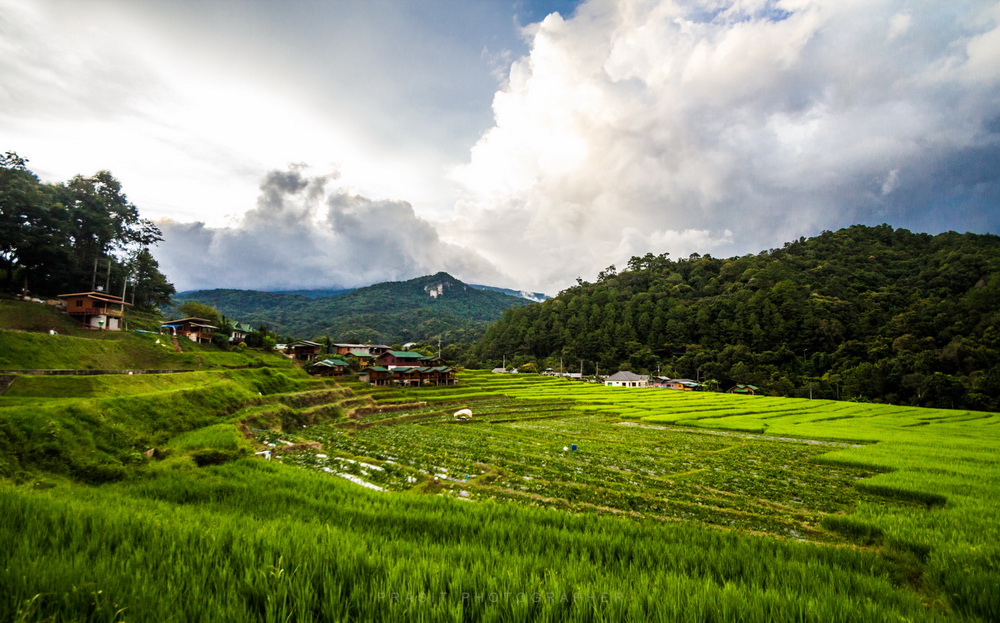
(310, 144)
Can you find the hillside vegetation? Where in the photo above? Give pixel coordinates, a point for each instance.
(26, 344)
(423, 309)
(867, 313)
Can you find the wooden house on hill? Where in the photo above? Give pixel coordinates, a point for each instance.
(364, 360)
(408, 375)
(240, 332)
(304, 350)
(394, 358)
(96, 310)
(194, 329)
(375, 375)
(360, 349)
(740, 388)
(331, 366)
(686, 385)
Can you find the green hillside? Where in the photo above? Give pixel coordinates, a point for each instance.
(26, 344)
(868, 313)
(392, 313)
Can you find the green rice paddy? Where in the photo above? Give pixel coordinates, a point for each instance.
(672, 506)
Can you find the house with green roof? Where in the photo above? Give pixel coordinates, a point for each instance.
(240, 332)
(331, 366)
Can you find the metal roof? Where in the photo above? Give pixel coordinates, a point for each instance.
(625, 375)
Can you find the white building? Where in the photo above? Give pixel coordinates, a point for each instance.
(624, 378)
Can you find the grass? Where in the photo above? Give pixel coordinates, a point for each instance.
(94, 428)
(119, 351)
(255, 541)
(26, 344)
(673, 506)
(936, 473)
(23, 316)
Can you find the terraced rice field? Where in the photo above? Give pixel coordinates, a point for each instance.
(672, 507)
(523, 451)
(920, 481)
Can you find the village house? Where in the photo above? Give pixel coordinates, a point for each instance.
(194, 329)
(408, 375)
(240, 332)
(375, 375)
(364, 360)
(686, 385)
(744, 389)
(393, 358)
(96, 310)
(330, 367)
(564, 375)
(304, 350)
(624, 378)
(358, 350)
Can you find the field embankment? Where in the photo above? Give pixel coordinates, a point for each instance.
(95, 428)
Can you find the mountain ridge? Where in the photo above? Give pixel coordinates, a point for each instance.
(316, 293)
(417, 309)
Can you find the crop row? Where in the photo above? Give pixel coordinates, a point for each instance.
(759, 485)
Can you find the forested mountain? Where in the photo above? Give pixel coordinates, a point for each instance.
(426, 308)
(865, 312)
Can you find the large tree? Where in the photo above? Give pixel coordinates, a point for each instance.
(102, 221)
(32, 225)
(150, 288)
(53, 236)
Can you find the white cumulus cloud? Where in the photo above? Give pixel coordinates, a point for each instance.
(713, 127)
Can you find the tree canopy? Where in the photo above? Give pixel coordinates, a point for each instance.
(871, 313)
(59, 237)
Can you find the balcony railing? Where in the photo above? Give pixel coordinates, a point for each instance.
(94, 311)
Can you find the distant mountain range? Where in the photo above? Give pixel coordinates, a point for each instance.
(426, 308)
